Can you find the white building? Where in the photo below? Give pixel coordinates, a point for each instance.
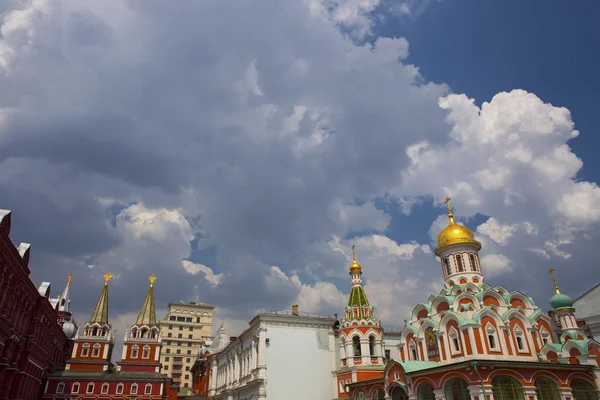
(587, 308)
(282, 355)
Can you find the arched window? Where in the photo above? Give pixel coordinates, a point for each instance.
(90, 388)
(459, 263)
(372, 345)
(85, 350)
(75, 388)
(146, 352)
(134, 351)
(455, 347)
(148, 389)
(546, 389)
(60, 388)
(413, 350)
(507, 388)
(447, 265)
(456, 389)
(583, 390)
(472, 261)
(356, 345)
(379, 395)
(431, 343)
(361, 396)
(105, 388)
(96, 351)
(120, 388)
(133, 389)
(398, 393)
(492, 336)
(425, 392)
(520, 337)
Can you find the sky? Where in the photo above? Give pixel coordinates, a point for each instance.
(237, 152)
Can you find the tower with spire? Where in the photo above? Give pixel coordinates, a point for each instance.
(141, 347)
(361, 335)
(61, 304)
(93, 347)
(459, 253)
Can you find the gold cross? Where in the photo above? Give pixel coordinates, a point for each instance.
(152, 279)
(353, 253)
(551, 272)
(69, 279)
(447, 202)
(107, 277)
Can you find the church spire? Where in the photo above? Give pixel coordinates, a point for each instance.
(100, 314)
(147, 315)
(65, 300)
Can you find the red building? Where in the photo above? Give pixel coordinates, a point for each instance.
(32, 342)
(474, 341)
(90, 374)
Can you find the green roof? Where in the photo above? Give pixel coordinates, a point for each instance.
(100, 314)
(147, 315)
(357, 297)
(413, 366)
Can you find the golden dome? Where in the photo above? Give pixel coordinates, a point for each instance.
(455, 234)
(355, 267)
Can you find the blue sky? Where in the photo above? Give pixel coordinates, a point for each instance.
(238, 152)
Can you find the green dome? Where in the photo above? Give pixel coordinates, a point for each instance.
(560, 300)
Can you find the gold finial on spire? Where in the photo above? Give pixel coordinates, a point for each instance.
(58, 297)
(107, 277)
(152, 279)
(551, 272)
(69, 279)
(355, 266)
(447, 202)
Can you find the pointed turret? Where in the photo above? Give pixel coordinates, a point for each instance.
(147, 315)
(141, 346)
(360, 346)
(65, 317)
(100, 314)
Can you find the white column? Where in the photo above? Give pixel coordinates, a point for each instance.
(529, 392)
(364, 349)
(474, 349)
(477, 392)
(566, 393)
(439, 394)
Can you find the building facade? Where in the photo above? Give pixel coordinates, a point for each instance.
(32, 341)
(588, 310)
(90, 374)
(475, 341)
(282, 355)
(185, 327)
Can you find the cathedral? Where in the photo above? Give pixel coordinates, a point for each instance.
(469, 341)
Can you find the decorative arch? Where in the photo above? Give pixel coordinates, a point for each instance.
(505, 387)
(518, 299)
(546, 389)
(425, 391)
(487, 312)
(457, 389)
(583, 390)
(419, 308)
(466, 295)
(448, 317)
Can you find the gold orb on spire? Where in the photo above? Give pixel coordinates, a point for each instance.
(355, 267)
(152, 279)
(454, 233)
(107, 277)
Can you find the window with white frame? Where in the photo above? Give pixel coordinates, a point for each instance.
(520, 338)
(413, 350)
(146, 352)
(90, 388)
(148, 389)
(342, 388)
(545, 336)
(60, 388)
(454, 341)
(459, 262)
(396, 375)
(133, 389)
(105, 388)
(472, 261)
(492, 337)
(96, 351)
(134, 351)
(75, 388)
(120, 388)
(85, 350)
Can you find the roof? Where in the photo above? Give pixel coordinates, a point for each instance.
(100, 314)
(147, 315)
(191, 304)
(587, 291)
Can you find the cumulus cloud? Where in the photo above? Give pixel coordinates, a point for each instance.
(207, 143)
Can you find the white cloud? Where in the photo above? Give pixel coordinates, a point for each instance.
(209, 275)
(495, 265)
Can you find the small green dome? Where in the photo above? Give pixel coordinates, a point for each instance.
(560, 300)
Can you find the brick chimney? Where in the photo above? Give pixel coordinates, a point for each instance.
(295, 309)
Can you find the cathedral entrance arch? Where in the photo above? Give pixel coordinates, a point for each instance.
(425, 392)
(583, 390)
(507, 388)
(456, 389)
(399, 394)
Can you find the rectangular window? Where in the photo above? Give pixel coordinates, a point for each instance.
(190, 336)
(148, 389)
(180, 319)
(166, 358)
(387, 356)
(177, 359)
(180, 336)
(188, 319)
(169, 334)
(166, 367)
(187, 368)
(190, 344)
(176, 367)
(191, 328)
(170, 326)
(168, 351)
(172, 318)
(189, 352)
(198, 320)
(181, 328)
(188, 359)
(178, 351)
